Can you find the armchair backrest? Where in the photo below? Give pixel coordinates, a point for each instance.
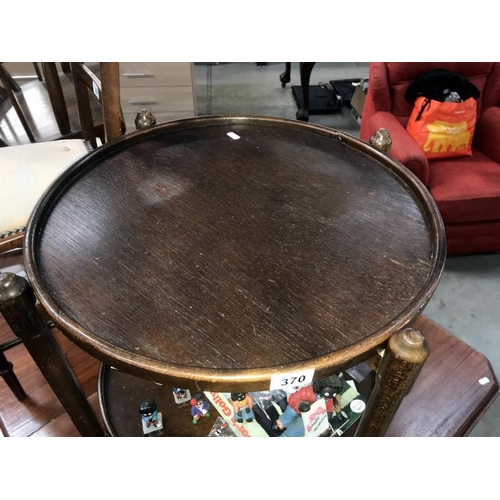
(388, 83)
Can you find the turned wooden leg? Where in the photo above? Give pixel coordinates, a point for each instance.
(285, 76)
(17, 304)
(305, 76)
(7, 372)
(404, 357)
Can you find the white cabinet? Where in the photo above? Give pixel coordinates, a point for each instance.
(166, 89)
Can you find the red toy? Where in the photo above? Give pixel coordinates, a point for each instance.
(199, 408)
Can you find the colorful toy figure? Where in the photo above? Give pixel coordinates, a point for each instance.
(242, 404)
(328, 388)
(151, 418)
(267, 407)
(181, 396)
(199, 408)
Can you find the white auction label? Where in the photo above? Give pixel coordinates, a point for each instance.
(291, 382)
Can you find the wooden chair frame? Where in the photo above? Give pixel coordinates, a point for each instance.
(108, 95)
(107, 92)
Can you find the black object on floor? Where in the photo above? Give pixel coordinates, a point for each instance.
(322, 99)
(345, 89)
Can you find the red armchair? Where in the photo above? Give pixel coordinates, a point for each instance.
(466, 189)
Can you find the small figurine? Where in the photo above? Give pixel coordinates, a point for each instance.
(221, 429)
(267, 407)
(181, 396)
(328, 388)
(199, 408)
(152, 420)
(242, 405)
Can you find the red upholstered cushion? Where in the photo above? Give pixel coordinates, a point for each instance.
(473, 237)
(466, 189)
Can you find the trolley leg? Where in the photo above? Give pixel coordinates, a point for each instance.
(404, 357)
(17, 304)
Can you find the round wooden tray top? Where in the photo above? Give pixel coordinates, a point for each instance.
(182, 254)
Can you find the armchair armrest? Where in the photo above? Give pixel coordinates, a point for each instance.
(404, 149)
(487, 133)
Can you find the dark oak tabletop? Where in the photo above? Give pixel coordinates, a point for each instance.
(180, 253)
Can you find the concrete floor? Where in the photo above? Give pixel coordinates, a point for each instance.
(467, 299)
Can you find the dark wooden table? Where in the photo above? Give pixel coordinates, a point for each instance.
(187, 257)
(454, 389)
(452, 392)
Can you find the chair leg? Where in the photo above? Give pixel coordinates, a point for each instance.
(7, 372)
(305, 76)
(285, 76)
(17, 305)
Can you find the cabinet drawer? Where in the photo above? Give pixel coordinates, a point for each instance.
(159, 99)
(142, 74)
(160, 118)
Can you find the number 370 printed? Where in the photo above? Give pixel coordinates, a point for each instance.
(291, 382)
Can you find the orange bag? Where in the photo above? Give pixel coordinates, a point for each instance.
(443, 129)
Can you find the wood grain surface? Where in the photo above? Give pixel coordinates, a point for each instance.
(450, 394)
(181, 253)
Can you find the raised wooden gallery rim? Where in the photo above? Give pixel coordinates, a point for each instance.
(311, 235)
